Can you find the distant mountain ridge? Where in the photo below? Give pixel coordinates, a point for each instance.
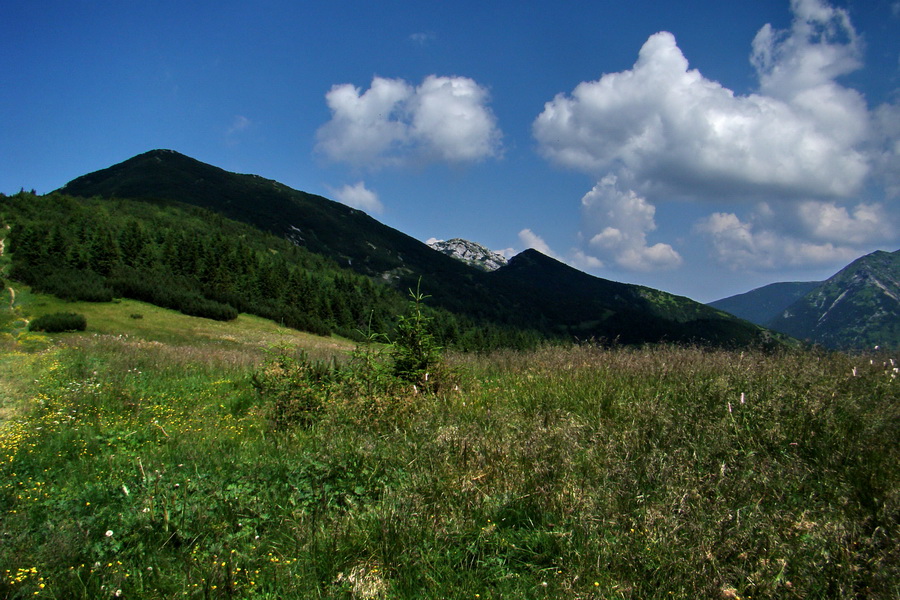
(763, 304)
(531, 292)
(857, 308)
(471, 253)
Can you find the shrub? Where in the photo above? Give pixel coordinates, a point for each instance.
(294, 388)
(67, 284)
(171, 292)
(415, 350)
(59, 322)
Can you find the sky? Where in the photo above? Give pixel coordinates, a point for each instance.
(700, 147)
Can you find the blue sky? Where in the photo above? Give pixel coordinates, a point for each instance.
(700, 147)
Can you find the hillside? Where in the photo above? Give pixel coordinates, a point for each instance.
(588, 306)
(347, 235)
(859, 307)
(763, 304)
(512, 296)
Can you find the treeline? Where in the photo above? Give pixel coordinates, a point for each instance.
(202, 264)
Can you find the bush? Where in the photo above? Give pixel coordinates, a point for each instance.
(171, 292)
(59, 322)
(414, 349)
(64, 283)
(295, 388)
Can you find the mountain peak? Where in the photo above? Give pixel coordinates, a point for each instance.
(471, 253)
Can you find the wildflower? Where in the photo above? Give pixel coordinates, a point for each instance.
(109, 533)
(729, 593)
(742, 397)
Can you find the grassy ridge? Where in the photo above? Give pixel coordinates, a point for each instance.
(151, 467)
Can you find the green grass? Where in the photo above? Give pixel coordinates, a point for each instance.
(142, 459)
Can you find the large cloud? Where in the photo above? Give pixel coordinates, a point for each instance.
(393, 123)
(669, 129)
(803, 143)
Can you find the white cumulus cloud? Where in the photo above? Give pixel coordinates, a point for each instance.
(668, 129)
(358, 196)
(887, 147)
(860, 225)
(622, 220)
(444, 119)
(805, 234)
(803, 142)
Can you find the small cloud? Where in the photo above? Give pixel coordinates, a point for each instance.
(828, 222)
(530, 239)
(586, 262)
(238, 124)
(360, 197)
(444, 119)
(810, 234)
(617, 223)
(422, 38)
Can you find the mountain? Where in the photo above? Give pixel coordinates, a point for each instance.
(532, 292)
(347, 235)
(471, 253)
(859, 307)
(763, 304)
(586, 306)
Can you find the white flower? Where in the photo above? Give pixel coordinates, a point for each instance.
(109, 533)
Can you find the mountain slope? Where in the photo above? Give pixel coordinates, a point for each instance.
(859, 307)
(348, 235)
(532, 292)
(588, 306)
(763, 304)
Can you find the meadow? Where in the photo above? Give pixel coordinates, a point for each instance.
(166, 456)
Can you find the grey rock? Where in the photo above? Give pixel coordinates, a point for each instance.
(470, 253)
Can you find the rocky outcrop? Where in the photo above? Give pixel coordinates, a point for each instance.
(470, 253)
